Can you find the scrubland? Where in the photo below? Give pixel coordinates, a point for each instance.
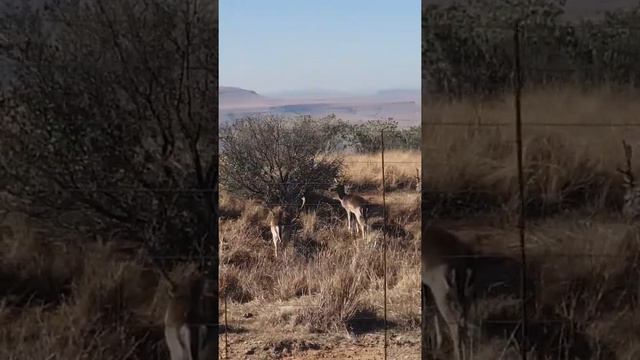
(66, 295)
(582, 255)
(323, 296)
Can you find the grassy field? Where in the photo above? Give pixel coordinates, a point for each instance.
(65, 296)
(582, 255)
(324, 297)
(69, 295)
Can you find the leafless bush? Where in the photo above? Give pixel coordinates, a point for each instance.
(276, 159)
(109, 97)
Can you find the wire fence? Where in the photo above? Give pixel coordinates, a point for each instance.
(525, 68)
(379, 190)
(228, 320)
(531, 60)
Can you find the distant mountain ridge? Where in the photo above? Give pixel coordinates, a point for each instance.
(235, 90)
(310, 93)
(400, 104)
(234, 97)
(399, 95)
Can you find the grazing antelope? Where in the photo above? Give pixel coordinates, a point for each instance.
(631, 206)
(355, 204)
(189, 321)
(279, 217)
(448, 274)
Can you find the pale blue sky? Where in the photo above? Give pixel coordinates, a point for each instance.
(348, 45)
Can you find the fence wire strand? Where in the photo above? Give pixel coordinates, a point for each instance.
(518, 124)
(383, 163)
(521, 222)
(384, 242)
(520, 41)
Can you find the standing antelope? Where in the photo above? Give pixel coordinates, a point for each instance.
(448, 273)
(355, 204)
(189, 321)
(279, 217)
(631, 206)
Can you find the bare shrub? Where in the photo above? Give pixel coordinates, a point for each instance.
(275, 159)
(366, 137)
(115, 98)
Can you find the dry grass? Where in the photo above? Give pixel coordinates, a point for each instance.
(566, 167)
(364, 171)
(581, 253)
(76, 298)
(327, 280)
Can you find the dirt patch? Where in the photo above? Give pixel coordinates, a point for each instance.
(402, 345)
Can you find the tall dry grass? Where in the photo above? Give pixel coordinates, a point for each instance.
(75, 298)
(327, 280)
(80, 299)
(401, 169)
(565, 166)
(581, 253)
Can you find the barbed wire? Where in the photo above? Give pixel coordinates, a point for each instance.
(152, 325)
(529, 124)
(173, 257)
(407, 187)
(525, 27)
(241, 322)
(428, 192)
(8, 63)
(470, 193)
(558, 70)
(109, 22)
(201, 191)
(545, 255)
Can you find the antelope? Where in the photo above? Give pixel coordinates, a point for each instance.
(189, 320)
(631, 206)
(355, 204)
(448, 274)
(418, 181)
(278, 218)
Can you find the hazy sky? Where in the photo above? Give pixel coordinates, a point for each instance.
(348, 45)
